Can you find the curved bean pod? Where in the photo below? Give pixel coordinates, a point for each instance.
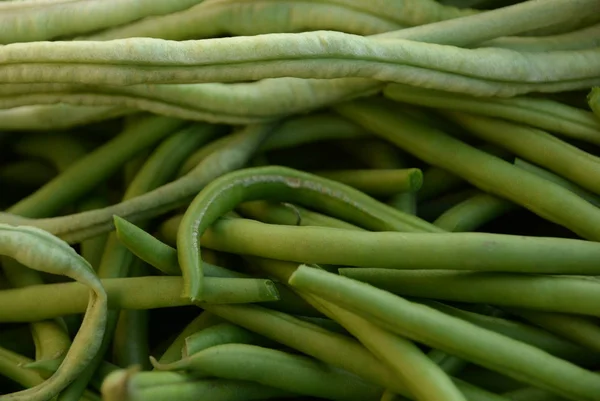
(223, 333)
(279, 184)
(41, 251)
(462, 339)
(275, 368)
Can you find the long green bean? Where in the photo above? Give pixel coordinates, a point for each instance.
(568, 294)
(23, 304)
(514, 359)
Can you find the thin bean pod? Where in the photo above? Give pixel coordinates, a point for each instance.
(568, 294)
(488, 173)
(423, 378)
(223, 333)
(474, 212)
(275, 368)
(129, 385)
(380, 182)
(404, 251)
(594, 100)
(282, 213)
(540, 113)
(536, 146)
(23, 304)
(542, 339)
(159, 254)
(420, 323)
(23, 22)
(579, 329)
(84, 225)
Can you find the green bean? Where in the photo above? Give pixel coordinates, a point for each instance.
(568, 294)
(540, 113)
(211, 102)
(537, 146)
(280, 213)
(57, 116)
(582, 38)
(23, 304)
(514, 359)
(202, 321)
(579, 329)
(533, 335)
(474, 212)
(130, 385)
(231, 18)
(130, 342)
(12, 365)
(84, 225)
(423, 378)
(159, 254)
(489, 173)
(313, 341)
(403, 251)
(275, 368)
(55, 256)
(588, 196)
(457, 69)
(223, 333)
(532, 394)
(92, 248)
(25, 22)
(87, 172)
(278, 184)
(380, 182)
(594, 100)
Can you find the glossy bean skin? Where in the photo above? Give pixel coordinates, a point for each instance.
(551, 375)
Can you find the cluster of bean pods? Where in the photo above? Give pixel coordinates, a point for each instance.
(349, 200)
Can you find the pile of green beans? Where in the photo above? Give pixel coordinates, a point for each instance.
(247, 200)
